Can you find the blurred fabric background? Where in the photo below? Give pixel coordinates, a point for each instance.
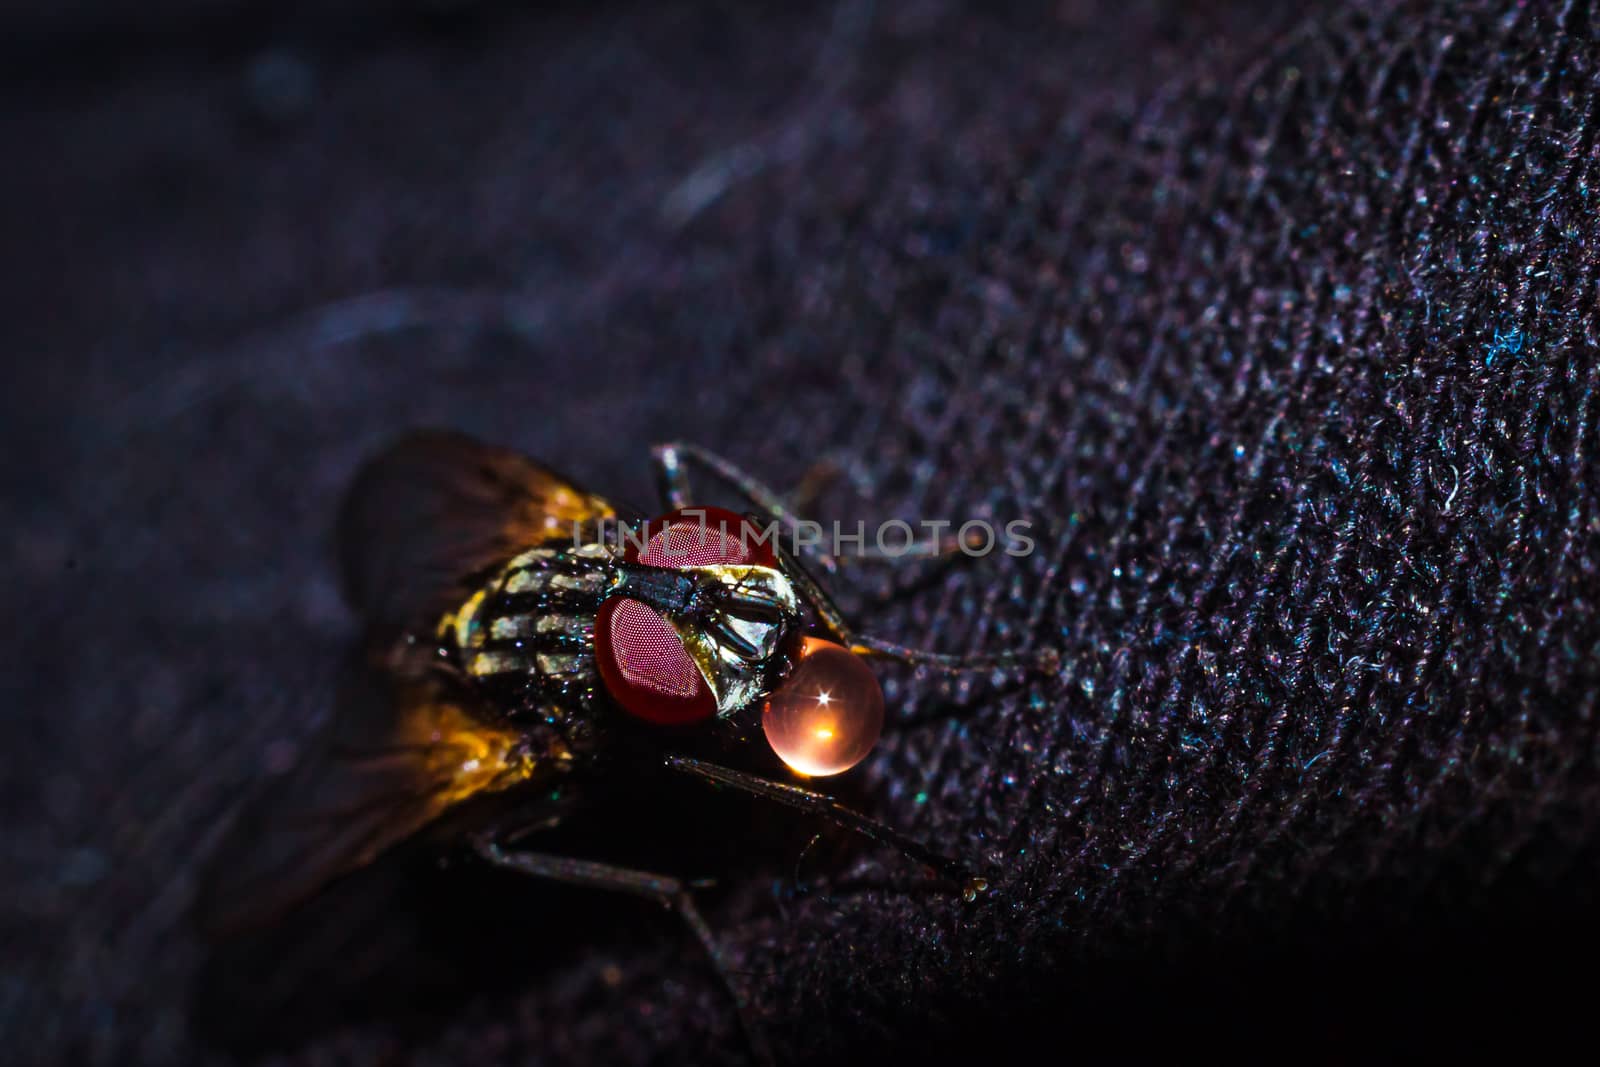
(1279, 321)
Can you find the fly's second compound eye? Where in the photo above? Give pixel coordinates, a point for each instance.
(827, 716)
(641, 658)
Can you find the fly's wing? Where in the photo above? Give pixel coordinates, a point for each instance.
(428, 518)
(422, 524)
(403, 749)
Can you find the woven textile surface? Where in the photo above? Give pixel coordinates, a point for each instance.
(1277, 322)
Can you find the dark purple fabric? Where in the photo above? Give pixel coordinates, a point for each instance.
(1280, 325)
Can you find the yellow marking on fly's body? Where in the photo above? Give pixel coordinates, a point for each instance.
(511, 627)
(531, 557)
(561, 662)
(588, 582)
(526, 572)
(463, 621)
(496, 663)
(537, 579)
(527, 581)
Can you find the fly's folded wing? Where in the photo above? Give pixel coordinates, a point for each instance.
(427, 519)
(402, 749)
(409, 741)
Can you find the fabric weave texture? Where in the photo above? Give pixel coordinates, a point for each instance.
(1278, 322)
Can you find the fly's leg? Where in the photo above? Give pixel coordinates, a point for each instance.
(826, 807)
(671, 893)
(1044, 661)
(673, 462)
(817, 477)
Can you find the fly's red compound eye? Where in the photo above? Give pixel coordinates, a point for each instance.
(641, 659)
(829, 713)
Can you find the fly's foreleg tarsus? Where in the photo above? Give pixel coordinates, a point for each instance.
(826, 807)
(1044, 661)
(673, 462)
(671, 893)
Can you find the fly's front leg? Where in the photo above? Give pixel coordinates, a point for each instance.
(673, 461)
(672, 480)
(817, 477)
(1044, 661)
(826, 807)
(671, 893)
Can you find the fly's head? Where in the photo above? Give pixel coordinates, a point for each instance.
(702, 622)
(706, 621)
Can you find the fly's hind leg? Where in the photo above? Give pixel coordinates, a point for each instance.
(671, 893)
(826, 807)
